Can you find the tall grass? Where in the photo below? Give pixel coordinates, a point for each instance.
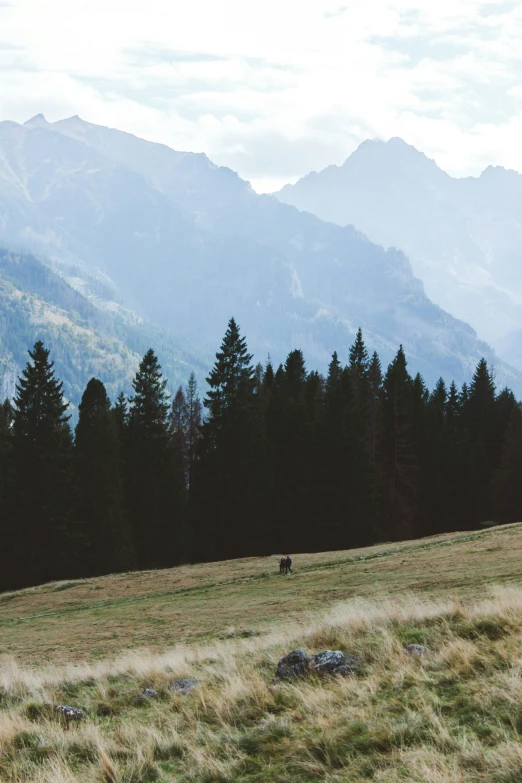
(454, 715)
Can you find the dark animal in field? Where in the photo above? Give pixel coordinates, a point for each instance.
(69, 714)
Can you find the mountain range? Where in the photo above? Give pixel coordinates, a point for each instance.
(172, 245)
(462, 236)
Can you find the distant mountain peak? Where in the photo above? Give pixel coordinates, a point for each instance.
(395, 151)
(38, 121)
(496, 172)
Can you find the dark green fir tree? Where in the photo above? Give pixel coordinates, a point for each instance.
(155, 486)
(99, 484)
(230, 498)
(46, 541)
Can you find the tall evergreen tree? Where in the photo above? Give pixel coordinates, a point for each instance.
(479, 420)
(193, 426)
(399, 450)
(121, 416)
(46, 542)
(179, 425)
(155, 480)
(231, 382)
(374, 403)
(359, 361)
(99, 484)
(6, 418)
(230, 498)
(6, 421)
(506, 485)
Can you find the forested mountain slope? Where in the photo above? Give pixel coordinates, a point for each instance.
(187, 244)
(37, 303)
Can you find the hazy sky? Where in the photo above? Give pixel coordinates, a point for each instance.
(275, 88)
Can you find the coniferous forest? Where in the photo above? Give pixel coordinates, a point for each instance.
(274, 459)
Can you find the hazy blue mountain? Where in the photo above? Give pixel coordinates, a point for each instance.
(463, 236)
(86, 339)
(187, 244)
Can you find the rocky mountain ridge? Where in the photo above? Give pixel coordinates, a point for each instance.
(187, 244)
(463, 236)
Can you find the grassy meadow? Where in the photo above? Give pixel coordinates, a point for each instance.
(453, 715)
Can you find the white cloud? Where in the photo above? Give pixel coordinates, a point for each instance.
(277, 88)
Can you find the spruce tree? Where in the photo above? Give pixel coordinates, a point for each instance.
(6, 421)
(479, 420)
(155, 481)
(193, 426)
(359, 361)
(229, 484)
(47, 543)
(452, 407)
(268, 376)
(374, 405)
(99, 484)
(179, 425)
(6, 418)
(399, 450)
(121, 417)
(231, 382)
(506, 484)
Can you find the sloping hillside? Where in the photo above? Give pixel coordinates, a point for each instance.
(86, 339)
(445, 712)
(89, 618)
(188, 244)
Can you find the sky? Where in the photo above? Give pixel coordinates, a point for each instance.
(275, 88)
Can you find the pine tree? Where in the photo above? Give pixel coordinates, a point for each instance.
(230, 382)
(374, 405)
(399, 450)
(99, 484)
(268, 376)
(193, 426)
(155, 481)
(121, 416)
(334, 375)
(453, 406)
(6, 419)
(47, 544)
(359, 361)
(506, 484)
(479, 420)
(229, 485)
(179, 425)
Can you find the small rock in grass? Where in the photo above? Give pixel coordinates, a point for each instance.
(334, 662)
(417, 650)
(295, 664)
(149, 693)
(183, 686)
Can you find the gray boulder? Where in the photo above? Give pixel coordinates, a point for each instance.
(183, 686)
(334, 662)
(295, 664)
(417, 650)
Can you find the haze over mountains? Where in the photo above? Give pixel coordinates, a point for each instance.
(462, 236)
(184, 244)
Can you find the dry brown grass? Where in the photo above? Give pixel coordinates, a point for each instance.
(100, 617)
(452, 717)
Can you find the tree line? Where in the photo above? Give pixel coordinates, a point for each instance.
(273, 459)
